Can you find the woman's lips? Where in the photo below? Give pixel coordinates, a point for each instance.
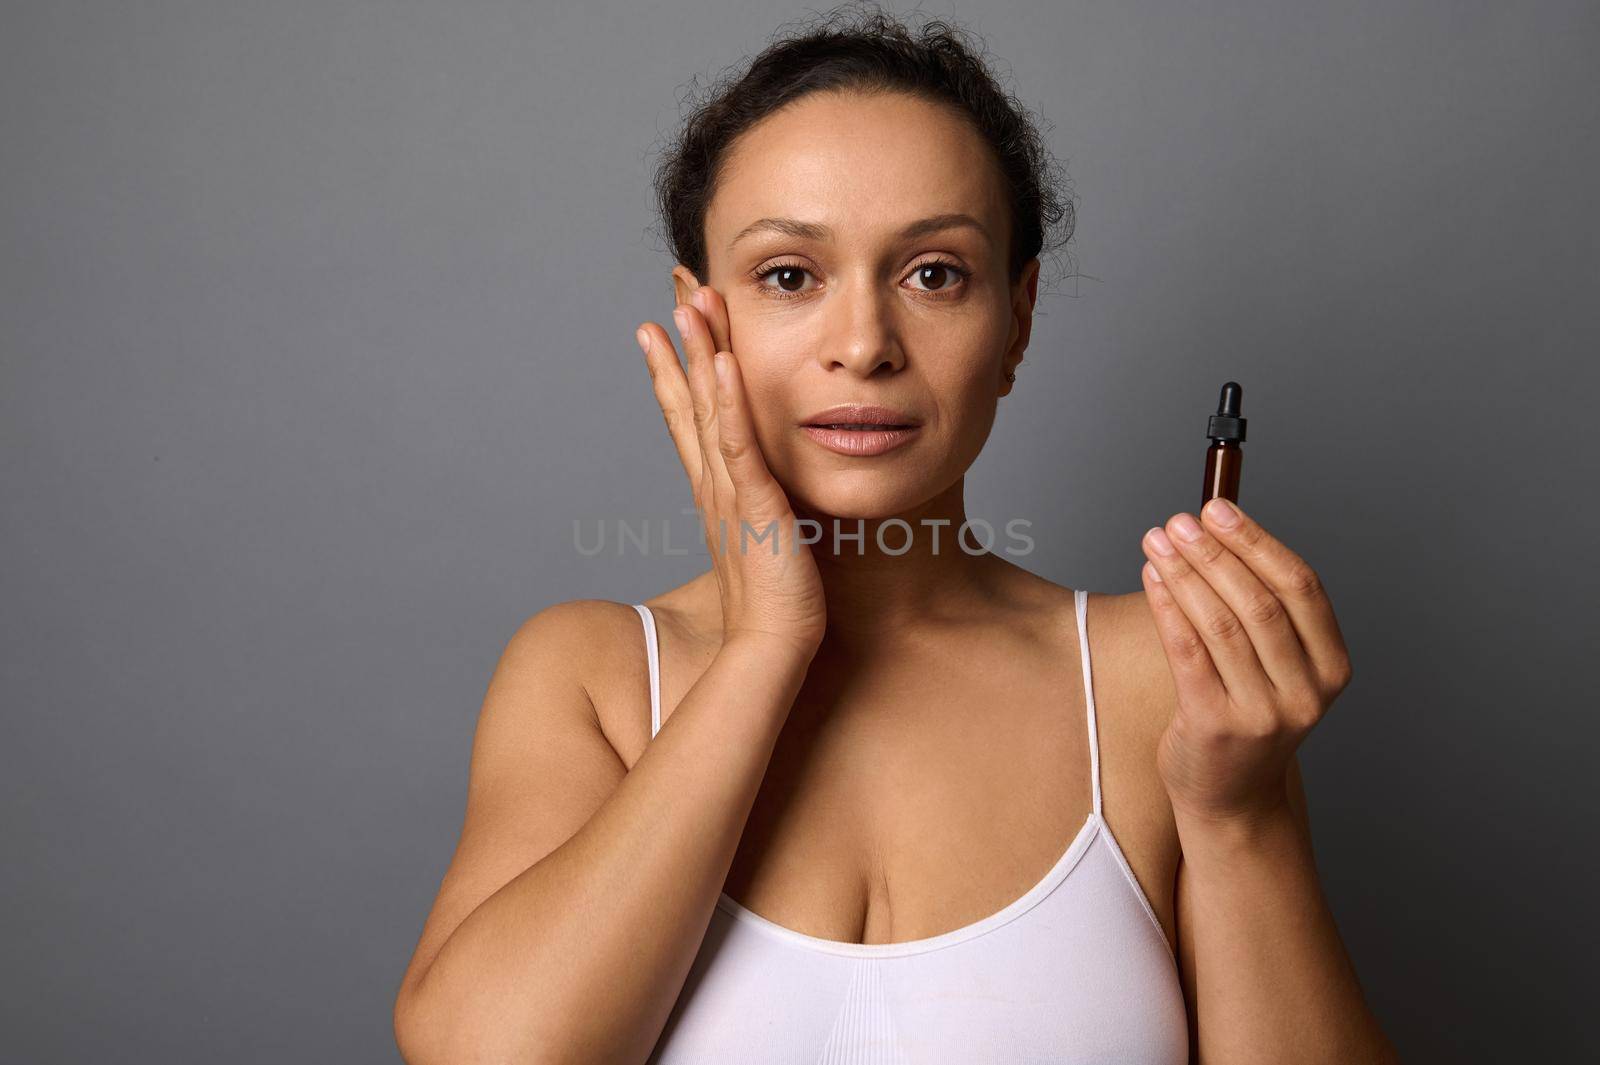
(863, 441)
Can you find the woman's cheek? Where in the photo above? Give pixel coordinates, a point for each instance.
(767, 392)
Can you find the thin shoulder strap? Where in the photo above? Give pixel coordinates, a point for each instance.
(1082, 598)
(652, 654)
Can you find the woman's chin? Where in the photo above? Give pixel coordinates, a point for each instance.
(848, 503)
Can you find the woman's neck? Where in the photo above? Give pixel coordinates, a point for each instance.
(884, 575)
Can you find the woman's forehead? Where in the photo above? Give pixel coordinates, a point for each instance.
(855, 164)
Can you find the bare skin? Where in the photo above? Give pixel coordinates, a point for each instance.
(926, 780)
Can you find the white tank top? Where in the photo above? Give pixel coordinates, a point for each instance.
(1075, 971)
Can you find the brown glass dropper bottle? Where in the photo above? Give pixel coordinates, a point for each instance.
(1225, 457)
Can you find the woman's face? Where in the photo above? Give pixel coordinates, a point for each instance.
(857, 310)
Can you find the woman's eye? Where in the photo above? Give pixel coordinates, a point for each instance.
(937, 274)
(789, 279)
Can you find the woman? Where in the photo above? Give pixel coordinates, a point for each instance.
(883, 796)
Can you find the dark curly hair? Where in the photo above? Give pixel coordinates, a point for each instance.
(871, 51)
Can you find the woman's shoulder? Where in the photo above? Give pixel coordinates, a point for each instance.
(1130, 666)
(573, 624)
(581, 641)
(602, 642)
(1126, 644)
(1133, 654)
(605, 625)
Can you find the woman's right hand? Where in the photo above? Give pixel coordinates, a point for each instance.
(764, 594)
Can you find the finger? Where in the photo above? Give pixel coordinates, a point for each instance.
(758, 493)
(1214, 624)
(703, 387)
(709, 302)
(1296, 585)
(1251, 604)
(702, 391)
(1193, 672)
(672, 393)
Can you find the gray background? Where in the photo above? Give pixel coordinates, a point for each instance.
(317, 337)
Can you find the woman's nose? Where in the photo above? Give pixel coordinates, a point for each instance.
(863, 361)
(864, 342)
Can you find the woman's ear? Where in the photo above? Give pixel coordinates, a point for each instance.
(1008, 374)
(1025, 295)
(683, 283)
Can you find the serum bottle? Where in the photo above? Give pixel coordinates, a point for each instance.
(1225, 456)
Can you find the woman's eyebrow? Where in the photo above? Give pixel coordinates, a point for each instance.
(794, 227)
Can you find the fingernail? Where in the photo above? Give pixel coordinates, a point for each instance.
(1155, 574)
(1223, 512)
(644, 340)
(721, 362)
(680, 316)
(1159, 542)
(698, 298)
(1187, 527)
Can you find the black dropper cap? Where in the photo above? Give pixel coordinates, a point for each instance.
(1226, 424)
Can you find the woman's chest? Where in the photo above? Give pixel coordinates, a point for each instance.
(908, 802)
(869, 831)
(869, 841)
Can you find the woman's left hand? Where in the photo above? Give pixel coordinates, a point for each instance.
(1256, 656)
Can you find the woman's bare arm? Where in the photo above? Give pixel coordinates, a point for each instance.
(1267, 974)
(580, 892)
